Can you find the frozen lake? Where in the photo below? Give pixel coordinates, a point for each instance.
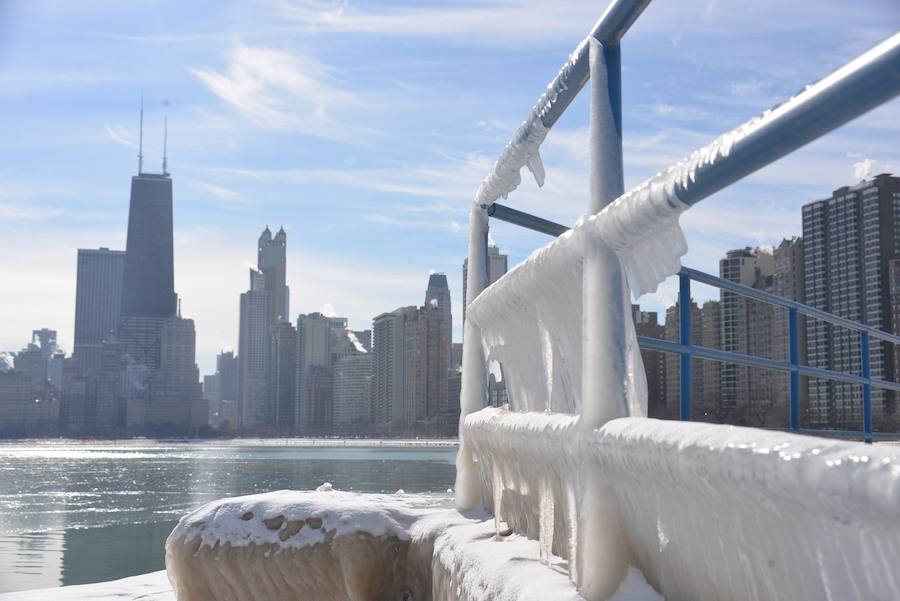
(74, 512)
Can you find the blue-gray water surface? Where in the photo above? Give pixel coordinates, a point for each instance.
(74, 512)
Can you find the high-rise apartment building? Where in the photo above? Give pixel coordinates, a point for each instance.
(98, 303)
(254, 355)
(411, 367)
(746, 328)
(352, 393)
(849, 241)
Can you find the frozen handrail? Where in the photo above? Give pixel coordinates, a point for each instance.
(522, 150)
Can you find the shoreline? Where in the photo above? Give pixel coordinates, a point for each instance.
(383, 443)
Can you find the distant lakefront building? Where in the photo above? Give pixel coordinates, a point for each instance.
(850, 242)
(98, 303)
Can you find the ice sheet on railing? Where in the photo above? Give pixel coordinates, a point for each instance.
(530, 323)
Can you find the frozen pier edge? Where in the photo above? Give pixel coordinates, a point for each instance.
(706, 512)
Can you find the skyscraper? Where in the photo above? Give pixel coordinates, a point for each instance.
(161, 383)
(149, 275)
(849, 241)
(98, 303)
(437, 295)
(271, 261)
(254, 354)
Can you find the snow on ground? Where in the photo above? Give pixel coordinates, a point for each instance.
(146, 587)
(472, 563)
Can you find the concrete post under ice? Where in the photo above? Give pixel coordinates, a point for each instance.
(602, 551)
(474, 374)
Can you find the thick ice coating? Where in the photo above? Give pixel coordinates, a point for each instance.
(706, 511)
(324, 545)
(530, 323)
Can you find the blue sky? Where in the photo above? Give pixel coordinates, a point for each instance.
(364, 128)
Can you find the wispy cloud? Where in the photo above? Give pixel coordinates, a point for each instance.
(498, 22)
(221, 193)
(121, 135)
(281, 90)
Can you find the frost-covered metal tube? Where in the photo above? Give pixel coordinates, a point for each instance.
(862, 84)
(522, 150)
(602, 552)
(474, 375)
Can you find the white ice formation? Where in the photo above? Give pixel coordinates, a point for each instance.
(706, 512)
(339, 546)
(325, 545)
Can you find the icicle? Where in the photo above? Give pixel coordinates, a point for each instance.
(498, 499)
(546, 523)
(572, 522)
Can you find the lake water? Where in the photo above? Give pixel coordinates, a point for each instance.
(74, 513)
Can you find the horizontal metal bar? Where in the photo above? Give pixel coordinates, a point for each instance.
(609, 29)
(526, 220)
(861, 85)
(743, 290)
(702, 352)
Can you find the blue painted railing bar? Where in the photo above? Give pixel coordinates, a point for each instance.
(526, 220)
(688, 351)
(684, 334)
(705, 278)
(794, 353)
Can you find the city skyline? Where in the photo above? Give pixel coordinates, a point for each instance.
(381, 219)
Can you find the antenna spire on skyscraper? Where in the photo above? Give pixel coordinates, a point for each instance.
(165, 141)
(141, 140)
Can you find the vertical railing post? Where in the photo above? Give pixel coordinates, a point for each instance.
(794, 355)
(684, 327)
(867, 387)
(601, 550)
(473, 391)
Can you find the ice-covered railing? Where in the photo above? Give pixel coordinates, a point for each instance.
(558, 326)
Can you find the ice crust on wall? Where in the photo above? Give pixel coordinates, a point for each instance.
(708, 511)
(325, 545)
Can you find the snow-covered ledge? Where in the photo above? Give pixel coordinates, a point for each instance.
(708, 512)
(327, 545)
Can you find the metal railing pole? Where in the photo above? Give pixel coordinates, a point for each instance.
(794, 354)
(684, 327)
(867, 387)
(602, 552)
(473, 392)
